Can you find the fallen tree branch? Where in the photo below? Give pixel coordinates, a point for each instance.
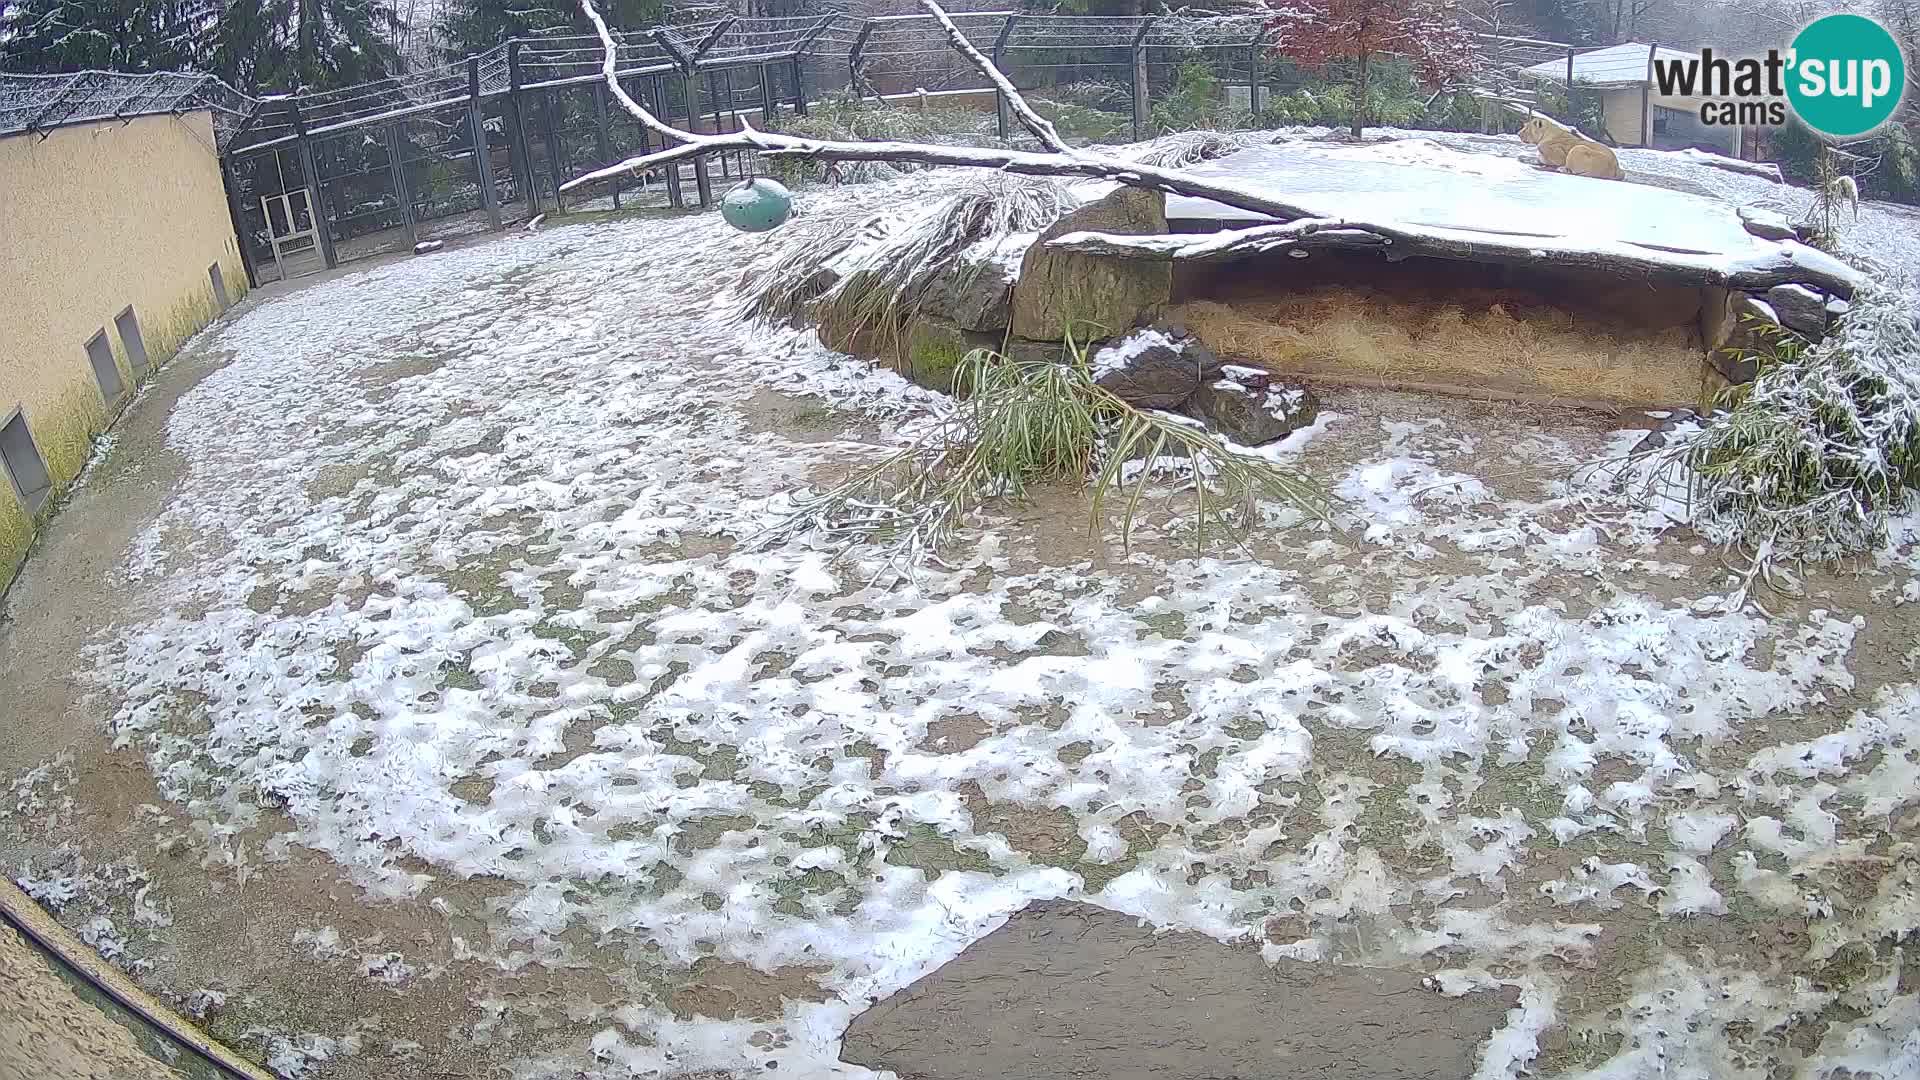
(1786, 263)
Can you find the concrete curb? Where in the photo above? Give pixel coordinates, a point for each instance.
(26, 915)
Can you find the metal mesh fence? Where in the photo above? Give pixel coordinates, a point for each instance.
(890, 55)
(317, 178)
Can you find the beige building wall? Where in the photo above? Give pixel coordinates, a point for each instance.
(1622, 113)
(94, 218)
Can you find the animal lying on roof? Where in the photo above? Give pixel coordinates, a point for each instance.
(1564, 148)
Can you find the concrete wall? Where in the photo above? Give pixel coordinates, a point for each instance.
(1622, 111)
(94, 218)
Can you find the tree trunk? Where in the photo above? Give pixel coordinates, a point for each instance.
(1360, 98)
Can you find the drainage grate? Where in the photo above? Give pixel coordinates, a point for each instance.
(219, 287)
(128, 324)
(21, 461)
(105, 371)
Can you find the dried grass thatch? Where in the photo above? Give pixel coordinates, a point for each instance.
(1487, 343)
(861, 276)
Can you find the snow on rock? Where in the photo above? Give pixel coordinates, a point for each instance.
(1153, 368)
(1419, 182)
(1768, 224)
(1249, 409)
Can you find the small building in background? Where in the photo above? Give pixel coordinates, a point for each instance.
(1634, 111)
(116, 245)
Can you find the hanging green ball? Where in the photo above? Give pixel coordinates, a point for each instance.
(757, 205)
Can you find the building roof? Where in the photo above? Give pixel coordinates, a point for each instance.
(1615, 65)
(45, 102)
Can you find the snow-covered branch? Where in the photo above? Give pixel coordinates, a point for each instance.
(1782, 264)
(1041, 127)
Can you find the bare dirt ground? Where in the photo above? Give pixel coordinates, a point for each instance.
(403, 692)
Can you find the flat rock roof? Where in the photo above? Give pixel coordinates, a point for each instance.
(1421, 182)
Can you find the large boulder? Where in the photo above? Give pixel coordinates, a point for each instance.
(977, 293)
(933, 348)
(1799, 309)
(1249, 407)
(1767, 224)
(1153, 368)
(1093, 296)
(1068, 990)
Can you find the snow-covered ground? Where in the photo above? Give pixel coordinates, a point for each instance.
(456, 592)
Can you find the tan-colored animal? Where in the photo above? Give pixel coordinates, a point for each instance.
(1564, 148)
(1592, 159)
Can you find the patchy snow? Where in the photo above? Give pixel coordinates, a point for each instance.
(1119, 355)
(456, 576)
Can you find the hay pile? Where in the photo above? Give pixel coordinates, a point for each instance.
(1502, 342)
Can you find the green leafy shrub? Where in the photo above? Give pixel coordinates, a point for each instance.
(851, 119)
(1812, 458)
(1195, 103)
(1086, 113)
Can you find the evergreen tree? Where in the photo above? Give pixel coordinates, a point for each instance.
(254, 44)
(74, 35)
(474, 26)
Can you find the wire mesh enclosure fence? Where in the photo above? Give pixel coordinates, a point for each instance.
(490, 139)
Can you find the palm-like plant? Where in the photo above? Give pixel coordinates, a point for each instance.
(1024, 423)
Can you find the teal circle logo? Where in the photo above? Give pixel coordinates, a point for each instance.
(1847, 75)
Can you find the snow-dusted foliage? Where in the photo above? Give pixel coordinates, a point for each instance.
(1823, 446)
(1315, 33)
(858, 272)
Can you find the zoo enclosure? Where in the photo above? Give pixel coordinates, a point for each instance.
(326, 177)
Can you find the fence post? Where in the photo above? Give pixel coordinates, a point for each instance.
(1254, 50)
(230, 179)
(798, 60)
(556, 147)
(1003, 112)
(322, 225)
(518, 156)
(1646, 99)
(688, 63)
(1573, 114)
(675, 197)
(702, 182)
(397, 164)
(483, 166)
(601, 145)
(856, 59)
(768, 116)
(1138, 53)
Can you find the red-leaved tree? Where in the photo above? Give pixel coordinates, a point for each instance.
(1314, 33)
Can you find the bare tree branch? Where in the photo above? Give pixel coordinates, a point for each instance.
(1041, 127)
